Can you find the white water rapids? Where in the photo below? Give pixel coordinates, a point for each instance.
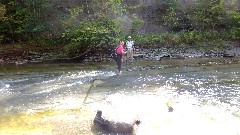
(205, 100)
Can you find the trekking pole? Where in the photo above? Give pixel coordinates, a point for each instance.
(87, 94)
(126, 62)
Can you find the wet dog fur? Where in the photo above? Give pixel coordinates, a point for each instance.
(112, 127)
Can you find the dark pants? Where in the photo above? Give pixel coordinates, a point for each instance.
(119, 61)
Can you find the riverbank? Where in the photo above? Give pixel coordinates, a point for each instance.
(22, 54)
(25, 53)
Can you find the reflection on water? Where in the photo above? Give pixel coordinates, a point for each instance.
(42, 100)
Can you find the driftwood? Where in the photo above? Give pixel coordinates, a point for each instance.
(112, 127)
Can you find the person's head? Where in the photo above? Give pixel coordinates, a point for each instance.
(121, 41)
(129, 37)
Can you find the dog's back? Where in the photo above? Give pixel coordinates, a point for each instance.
(112, 126)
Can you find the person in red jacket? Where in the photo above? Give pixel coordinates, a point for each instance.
(119, 51)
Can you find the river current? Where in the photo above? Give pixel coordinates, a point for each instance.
(64, 98)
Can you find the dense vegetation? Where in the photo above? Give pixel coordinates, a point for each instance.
(99, 23)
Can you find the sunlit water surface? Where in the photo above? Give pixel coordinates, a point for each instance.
(54, 99)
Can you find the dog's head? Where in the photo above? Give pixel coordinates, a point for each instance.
(170, 109)
(99, 113)
(137, 122)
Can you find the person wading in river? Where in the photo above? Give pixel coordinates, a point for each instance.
(119, 51)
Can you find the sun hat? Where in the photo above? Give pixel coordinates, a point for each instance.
(129, 36)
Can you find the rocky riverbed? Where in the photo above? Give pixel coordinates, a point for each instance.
(232, 54)
(153, 54)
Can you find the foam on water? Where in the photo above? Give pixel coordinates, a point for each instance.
(189, 116)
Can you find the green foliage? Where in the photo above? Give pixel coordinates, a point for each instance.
(216, 12)
(136, 24)
(37, 26)
(12, 22)
(203, 15)
(209, 13)
(98, 25)
(2, 11)
(192, 38)
(24, 21)
(234, 18)
(171, 18)
(87, 35)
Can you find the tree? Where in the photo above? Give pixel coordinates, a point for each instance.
(23, 21)
(97, 23)
(13, 20)
(171, 18)
(2, 13)
(207, 14)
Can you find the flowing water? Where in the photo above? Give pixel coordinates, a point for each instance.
(63, 98)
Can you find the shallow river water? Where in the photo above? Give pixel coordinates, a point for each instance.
(63, 98)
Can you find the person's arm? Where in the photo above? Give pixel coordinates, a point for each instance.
(123, 52)
(133, 46)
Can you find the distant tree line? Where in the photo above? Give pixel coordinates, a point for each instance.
(98, 23)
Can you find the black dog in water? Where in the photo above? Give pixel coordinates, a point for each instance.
(170, 109)
(111, 127)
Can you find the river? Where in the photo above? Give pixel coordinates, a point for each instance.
(64, 98)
